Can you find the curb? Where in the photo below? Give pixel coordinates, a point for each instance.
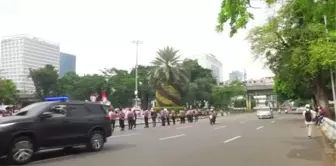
(329, 157)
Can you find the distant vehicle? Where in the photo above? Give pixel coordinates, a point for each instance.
(264, 112)
(53, 124)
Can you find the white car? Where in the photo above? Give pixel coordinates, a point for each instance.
(264, 113)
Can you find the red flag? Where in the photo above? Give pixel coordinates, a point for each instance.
(104, 96)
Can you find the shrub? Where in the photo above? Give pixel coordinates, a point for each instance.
(175, 108)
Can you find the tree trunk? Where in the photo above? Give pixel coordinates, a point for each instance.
(320, 94)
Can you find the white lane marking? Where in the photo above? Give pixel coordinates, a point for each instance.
(242, 122)
(232, 139)
(175, 136)
(185, 127)
(260, 127)
(220, 127)
(273, 121)
(124, 135)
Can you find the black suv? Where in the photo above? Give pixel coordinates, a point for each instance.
(53, 124)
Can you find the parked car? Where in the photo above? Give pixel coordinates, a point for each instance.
(53, 124)
(264, 112)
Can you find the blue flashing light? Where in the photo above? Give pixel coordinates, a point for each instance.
(60, 98)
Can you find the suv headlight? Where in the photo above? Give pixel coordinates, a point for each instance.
(6, 125)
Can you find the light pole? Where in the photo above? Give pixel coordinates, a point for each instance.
(137, 43)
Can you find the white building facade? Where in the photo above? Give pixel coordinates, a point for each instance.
(210, 62)
(22, 52)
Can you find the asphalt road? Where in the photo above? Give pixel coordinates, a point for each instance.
(238, 140)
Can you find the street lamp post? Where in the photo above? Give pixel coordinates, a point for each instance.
(137, 43)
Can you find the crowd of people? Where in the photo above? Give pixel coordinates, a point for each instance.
(165, 117)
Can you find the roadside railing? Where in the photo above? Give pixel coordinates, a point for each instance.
(329, 128)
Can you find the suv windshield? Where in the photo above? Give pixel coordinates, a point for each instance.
(33, 108)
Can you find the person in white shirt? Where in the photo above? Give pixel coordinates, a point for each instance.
(309, 116)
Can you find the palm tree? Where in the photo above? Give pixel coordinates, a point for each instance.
(167, 75)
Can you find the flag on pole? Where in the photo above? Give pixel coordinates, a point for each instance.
(104, 96)
(104, 99)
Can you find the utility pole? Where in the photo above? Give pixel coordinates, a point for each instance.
(137, 43)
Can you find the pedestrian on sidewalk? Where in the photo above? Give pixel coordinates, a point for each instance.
(146, 116)
(309, 116)
(320, 115)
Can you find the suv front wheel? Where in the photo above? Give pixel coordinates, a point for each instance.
(96, 141)
(21, 151)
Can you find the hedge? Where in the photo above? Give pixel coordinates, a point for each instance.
(175, 108)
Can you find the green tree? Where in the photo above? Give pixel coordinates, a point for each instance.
(224, 96)
(167, 76)
(67, 84)
(145, 88)
(240, 103)
(298, 50)
(236, 13)
(87, 85)
(121, 85)
(200, 83)
(45, 80)
(8, 92)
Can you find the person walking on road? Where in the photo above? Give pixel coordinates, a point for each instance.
(146, 116)
(309, 116)
(196, 115)
(163, 114)
(130, 118)
(122, 120)
(134, 118)
(173, 116)
(153, 116)
(113, 117)
(182, 116)
(168, 117)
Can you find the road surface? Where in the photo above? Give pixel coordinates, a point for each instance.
(238, 140)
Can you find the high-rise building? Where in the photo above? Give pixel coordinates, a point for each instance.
(20, 53)
(67, 64)
(236, 75)
(209, 61)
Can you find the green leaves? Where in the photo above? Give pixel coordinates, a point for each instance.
(8, 92)
(45, 80)
(298, 49)
(235, 12)
(225, 96)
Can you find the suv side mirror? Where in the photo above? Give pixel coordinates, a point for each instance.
(46, 115)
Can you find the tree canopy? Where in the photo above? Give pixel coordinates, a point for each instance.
(299, 48)
(194, 85)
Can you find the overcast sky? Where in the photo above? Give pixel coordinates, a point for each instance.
(99, 32)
